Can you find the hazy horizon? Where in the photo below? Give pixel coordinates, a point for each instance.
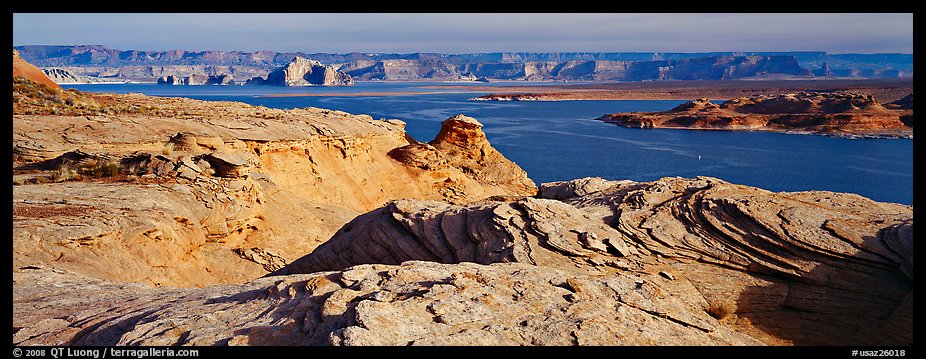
(464, 53)
(473, 33)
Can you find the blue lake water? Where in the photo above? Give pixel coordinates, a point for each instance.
(560, 140)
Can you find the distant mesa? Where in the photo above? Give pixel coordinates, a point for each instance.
(699, 68)
(303, 72)
(841, 114)
(197, 79)
(134, 65)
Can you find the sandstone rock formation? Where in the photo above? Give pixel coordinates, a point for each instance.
(149, 221)
(802, 268)
(62, 76)
(221, 79)
(462, 144)
(904, 103)
(302, 72)
(23, 69)
(671, 262)
(235, 189)
(701, 68)
(197, 79)
(170, 80)
(850, 114)
(417, 303)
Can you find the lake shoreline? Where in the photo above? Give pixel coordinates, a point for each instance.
(559, 140)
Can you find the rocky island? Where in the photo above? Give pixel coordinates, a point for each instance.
(164, 221)
(838, 114)
(302, 72)
(197, 79)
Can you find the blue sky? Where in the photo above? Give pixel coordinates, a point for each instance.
(467, 33)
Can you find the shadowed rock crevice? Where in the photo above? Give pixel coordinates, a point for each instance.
(861, 302)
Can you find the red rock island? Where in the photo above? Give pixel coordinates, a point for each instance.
(842, 114)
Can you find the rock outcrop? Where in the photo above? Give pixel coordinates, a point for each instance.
(904, 103)
(462, 144)
(197, 79)
(229, 186)
(847, 114)
(62, 76)
(28, 71)
(803, 268)
(302, 72)
(221, 79)
(417, 303)
(170, 80)
(608, 263)
(162, 221)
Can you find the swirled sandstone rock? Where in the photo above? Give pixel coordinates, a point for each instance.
(794, 265)
(535, 231)
(675, 261)
(416, 303)
(707, 263)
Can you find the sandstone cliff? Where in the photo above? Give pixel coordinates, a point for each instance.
(236, 190)
(302, 72)
(824, 71)
(96, 60)
(849, 114)
(706, 68)
(197, 79)
(61, 76)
